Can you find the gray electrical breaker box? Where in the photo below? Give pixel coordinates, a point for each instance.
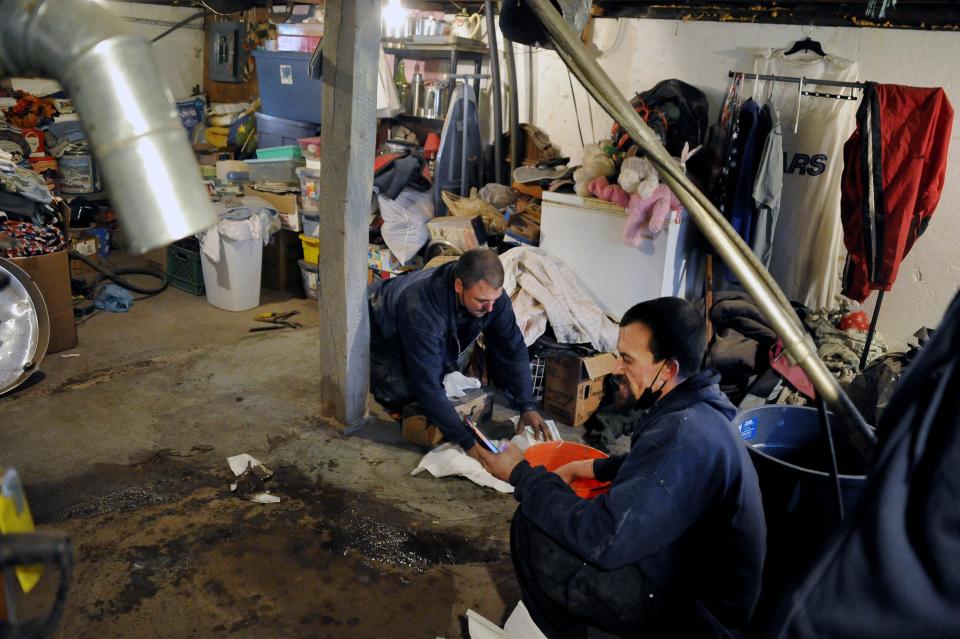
(227, 56)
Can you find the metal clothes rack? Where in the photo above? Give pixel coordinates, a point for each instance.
(827, 83)
(792, 80)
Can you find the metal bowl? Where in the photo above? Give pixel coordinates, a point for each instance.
(24, 326)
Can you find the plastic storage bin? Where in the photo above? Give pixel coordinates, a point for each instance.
(183, 266)
(310, 274)
(286, 88)
(310, 147)
(311, 248)
(278, 170)
(277, 152)
(273, 131)
(310, 224)
(309, 189)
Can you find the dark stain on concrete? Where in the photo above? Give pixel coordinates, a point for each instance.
(162, 546)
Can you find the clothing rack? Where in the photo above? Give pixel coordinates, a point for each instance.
(793, 80)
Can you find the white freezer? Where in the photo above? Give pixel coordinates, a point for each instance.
(587, 235)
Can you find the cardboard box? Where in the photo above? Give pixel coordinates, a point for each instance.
(573, 386)
(51, 272)
(380, 258)
(285, 204)
(459, 231)
(418, 429)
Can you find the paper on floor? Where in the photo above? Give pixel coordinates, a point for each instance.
(449, 459)
(519, 626)
(456, 384)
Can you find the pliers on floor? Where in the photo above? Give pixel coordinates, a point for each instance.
(277, 321)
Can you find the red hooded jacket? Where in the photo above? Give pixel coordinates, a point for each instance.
(894, 166)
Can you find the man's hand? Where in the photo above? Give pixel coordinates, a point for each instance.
(582, 469)
(500, 465)
(533, 419)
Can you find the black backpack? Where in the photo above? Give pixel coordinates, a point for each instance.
(676, 111)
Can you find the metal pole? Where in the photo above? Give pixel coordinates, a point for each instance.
(731, 248)
(514, 113)
(497, 100)
(463, 143)
(873, 329)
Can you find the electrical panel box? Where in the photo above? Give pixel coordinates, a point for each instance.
(225, 47)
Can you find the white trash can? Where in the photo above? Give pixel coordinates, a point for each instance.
(233, 281)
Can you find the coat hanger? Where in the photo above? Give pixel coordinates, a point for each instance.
(807, 44)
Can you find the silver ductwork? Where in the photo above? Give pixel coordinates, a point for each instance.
(128, 112)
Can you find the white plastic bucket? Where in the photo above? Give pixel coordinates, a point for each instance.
(233, 284)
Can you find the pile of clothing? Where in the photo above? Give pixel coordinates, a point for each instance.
(27, 214)
(23, 239)
(743, 339)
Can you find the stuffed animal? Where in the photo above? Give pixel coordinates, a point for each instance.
(596, 163)
(638, 176)
(649, 215)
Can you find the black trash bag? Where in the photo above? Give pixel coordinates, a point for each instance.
(676, 111)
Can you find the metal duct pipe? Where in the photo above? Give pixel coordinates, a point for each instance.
(128, 111)
(735, 253)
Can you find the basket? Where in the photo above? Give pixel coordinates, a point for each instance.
(183, 266)
(537, 368)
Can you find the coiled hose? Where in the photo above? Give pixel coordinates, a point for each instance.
(115, 276)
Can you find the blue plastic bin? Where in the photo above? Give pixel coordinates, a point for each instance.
(286, 88)
(273, 131)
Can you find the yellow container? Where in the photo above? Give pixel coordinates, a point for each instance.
(311, 249)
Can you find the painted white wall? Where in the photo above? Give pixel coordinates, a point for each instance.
(638, 53)
(179, 54)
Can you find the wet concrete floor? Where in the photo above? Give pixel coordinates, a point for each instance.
(124, 448)
(164, 549)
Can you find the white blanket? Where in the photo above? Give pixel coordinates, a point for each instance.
(541, 285)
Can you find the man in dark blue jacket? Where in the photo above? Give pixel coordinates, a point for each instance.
(676, 547)
(422, 325)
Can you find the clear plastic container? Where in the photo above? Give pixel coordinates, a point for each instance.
(309, 276)
(310, 224)
(309, 189)
(275, 170)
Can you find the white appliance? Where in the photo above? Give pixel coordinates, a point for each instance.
(587, 235)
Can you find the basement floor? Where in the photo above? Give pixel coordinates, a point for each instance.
(124, 447)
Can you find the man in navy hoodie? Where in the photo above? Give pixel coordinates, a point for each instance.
(421, 326)
(676, 547)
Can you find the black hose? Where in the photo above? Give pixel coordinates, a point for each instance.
(114, 276)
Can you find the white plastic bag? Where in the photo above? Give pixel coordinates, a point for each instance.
(405, 222)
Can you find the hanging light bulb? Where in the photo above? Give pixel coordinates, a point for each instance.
(394, 19)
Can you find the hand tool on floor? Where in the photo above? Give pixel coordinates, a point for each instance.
(277, 321)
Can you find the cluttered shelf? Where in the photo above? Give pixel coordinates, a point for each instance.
(434, 47)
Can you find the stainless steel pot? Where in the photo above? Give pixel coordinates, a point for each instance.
(435, 99)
